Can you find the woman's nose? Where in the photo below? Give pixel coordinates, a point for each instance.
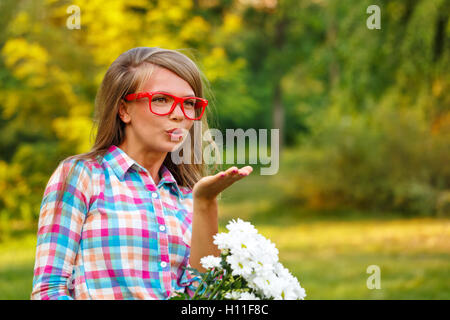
(177, 112)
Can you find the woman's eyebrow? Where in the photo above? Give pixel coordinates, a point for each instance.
(188, 95)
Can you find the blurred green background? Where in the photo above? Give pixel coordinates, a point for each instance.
(364, 119)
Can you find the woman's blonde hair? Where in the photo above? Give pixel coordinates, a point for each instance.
(126, 75)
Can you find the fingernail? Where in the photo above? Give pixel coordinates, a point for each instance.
(222, 175)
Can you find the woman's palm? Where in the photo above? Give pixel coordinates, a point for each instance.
(210, 186)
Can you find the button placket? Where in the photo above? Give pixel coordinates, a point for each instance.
(163, 242)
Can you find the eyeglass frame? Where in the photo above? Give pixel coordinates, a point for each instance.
(176, 100)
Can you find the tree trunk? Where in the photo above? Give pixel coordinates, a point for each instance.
(278, 108)
(278, 114)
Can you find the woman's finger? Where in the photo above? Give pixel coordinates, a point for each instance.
(235, 172)
(245, 171)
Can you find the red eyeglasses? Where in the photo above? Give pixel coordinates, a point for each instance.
(162, 103)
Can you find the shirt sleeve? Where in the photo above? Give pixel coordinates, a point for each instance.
(59, 230)
(189, 281)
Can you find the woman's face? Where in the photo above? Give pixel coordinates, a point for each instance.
(149, 130)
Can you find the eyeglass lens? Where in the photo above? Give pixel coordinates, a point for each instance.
(161, 104)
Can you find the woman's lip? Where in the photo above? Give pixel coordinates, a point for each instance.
(176, 131)
(173, 135)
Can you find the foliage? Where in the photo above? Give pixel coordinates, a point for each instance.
(384, 160)
(368, 110)
(381, 140)
(50, 74)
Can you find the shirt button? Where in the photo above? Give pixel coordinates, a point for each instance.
(163, 264)
(162, 228)
(154, 195)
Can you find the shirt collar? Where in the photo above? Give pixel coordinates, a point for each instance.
(120, 163)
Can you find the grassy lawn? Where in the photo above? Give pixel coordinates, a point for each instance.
(331, 258)
(329, 252)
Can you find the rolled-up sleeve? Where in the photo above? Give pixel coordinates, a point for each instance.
(59, 230)
(188, 281)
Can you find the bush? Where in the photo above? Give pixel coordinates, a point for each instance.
(388, 159)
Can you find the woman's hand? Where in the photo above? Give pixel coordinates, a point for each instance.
(205, 223)
(207, 188)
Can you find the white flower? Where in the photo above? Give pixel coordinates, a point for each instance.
(241, 226)
(243, 246)
(264, 250)
(240, 267)
(223, 240)
(210, 262)
(277, 283)
(233, 295)
(285, 286)
(300, 292)
(264, 282)
(255, 258)
(240, 295)
(248, 296)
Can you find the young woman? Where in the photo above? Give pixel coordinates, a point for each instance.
(123, 221)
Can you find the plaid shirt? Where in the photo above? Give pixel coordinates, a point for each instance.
(116, 236)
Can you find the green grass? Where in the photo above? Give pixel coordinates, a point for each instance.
(329, 252)
(16, 267)
(331, 258)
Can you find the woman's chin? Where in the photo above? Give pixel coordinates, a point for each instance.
(173, 145)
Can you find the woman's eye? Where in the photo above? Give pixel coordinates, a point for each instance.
(189, 104)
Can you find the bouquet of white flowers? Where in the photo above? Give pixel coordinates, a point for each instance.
(248, 269)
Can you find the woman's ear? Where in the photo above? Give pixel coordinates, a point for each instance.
(124, 111)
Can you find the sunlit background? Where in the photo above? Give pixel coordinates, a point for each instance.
(364, 119)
